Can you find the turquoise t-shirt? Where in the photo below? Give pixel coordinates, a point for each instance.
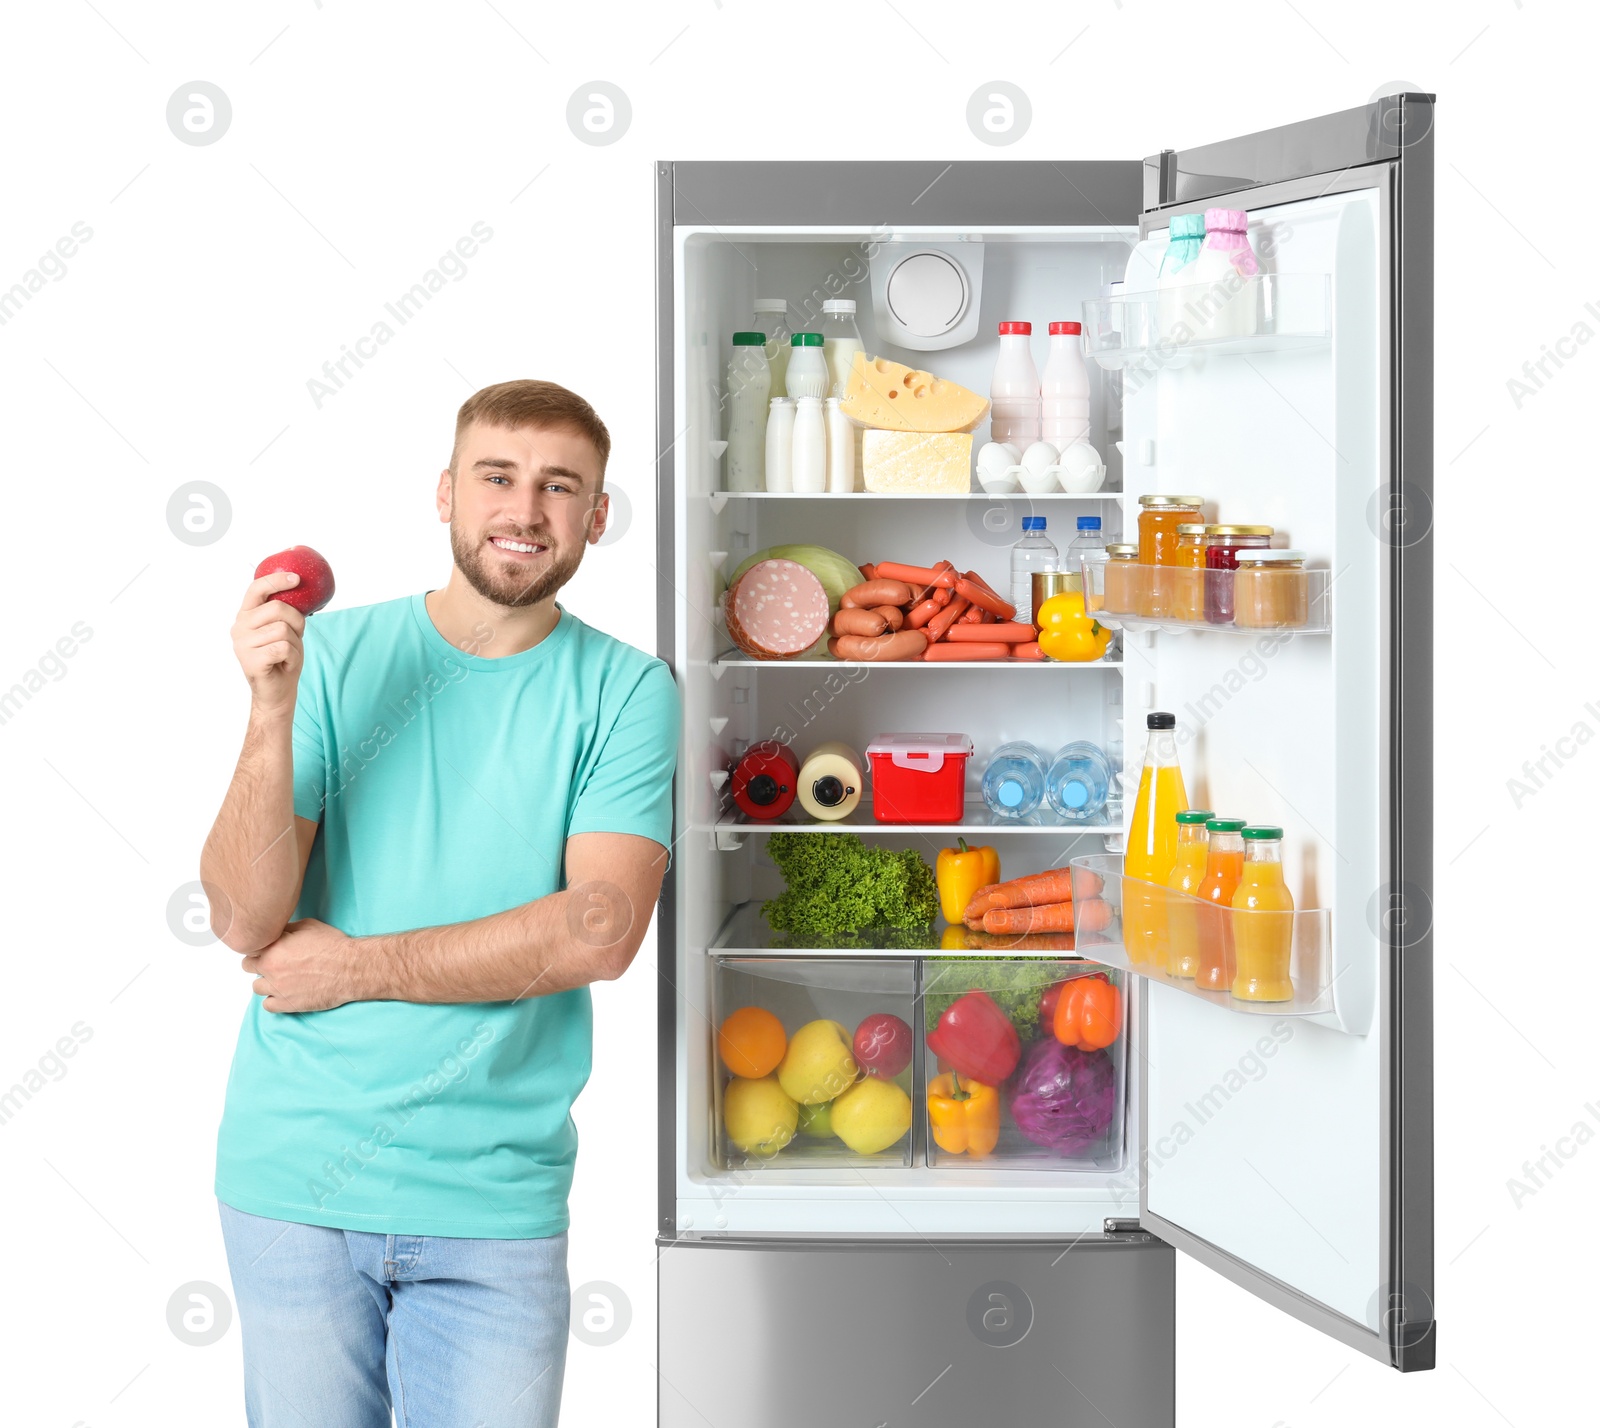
(446, 785)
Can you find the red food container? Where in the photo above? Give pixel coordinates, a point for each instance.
(919, 778)
(764, 780)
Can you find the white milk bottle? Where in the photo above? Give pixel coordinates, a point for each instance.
(772, 318)
(780, 444)
(1014, 388)
(1064, 388)
(841, 340)
(841, 447)
(749, 386)
(1186, 234)
(807, 375)
(809, 454)
(1225, 304)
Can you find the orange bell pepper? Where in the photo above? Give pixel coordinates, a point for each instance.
(1088, 1013)
(960, 872)
(964, 1115)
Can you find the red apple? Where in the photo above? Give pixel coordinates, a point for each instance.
(882, 1044)
(316, 578)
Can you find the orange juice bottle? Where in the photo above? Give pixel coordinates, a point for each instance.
(1152, 844)
(1263, 920)
(1188, 868)
(1214, 967)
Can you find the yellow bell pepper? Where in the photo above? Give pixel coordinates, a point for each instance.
(1067, 631)
(964, 1115)
(960, 872)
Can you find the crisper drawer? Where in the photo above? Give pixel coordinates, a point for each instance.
(922, 1333)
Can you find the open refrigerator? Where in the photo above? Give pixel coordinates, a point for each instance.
(1285, 1145)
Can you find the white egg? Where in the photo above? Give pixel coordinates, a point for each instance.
(1039, 456)
(1082, 470)
(994, 457)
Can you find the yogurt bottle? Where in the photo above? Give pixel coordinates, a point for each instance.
(749, 385)
(807, 375)
(1014, 388)
(1226, 305)
(1064, 388)
(1187, 234)
(809, 452)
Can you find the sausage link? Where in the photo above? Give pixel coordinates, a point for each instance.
(905, 644)
(850, 621)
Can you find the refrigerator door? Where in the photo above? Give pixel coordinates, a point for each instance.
(1294, 1155)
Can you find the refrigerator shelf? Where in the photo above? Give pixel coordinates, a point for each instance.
(1211, 932)
(745, 930)
(739, 659)
(717, 498)
(1270, 312)
(976, 819)
(1168, 594)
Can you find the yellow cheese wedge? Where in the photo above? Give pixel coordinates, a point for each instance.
(915, 463)
(883, 394)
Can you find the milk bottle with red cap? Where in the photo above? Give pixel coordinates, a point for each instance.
(1014, 390)
(1064, 386)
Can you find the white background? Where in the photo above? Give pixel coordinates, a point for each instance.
(365, 140)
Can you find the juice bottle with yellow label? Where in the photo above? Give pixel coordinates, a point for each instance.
(1263, 920)
(1188, 868)
(1152, 844)
(1214, 967)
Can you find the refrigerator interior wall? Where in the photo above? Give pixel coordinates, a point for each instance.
(1262, 1135)
(728, 703)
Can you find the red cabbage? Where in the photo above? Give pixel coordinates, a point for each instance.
(1061, 1097)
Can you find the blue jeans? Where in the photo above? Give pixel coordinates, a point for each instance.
(340, 1324)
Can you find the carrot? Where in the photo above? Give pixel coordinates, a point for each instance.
(1008, 631)
(1052, 885)
(1029, 651)
(982, 595)
(940, 624)
(1044, 917)
(977, 940)
(975, 923)
(911, 574)
(945, 650)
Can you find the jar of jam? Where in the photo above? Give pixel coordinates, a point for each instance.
(1125, 582)
(1226, 544)
(1159, 519)
(1188, 584)
(1271, 590)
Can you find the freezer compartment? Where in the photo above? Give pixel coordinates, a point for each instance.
(1280, 963)
(1002, 1089)
(1129, 595)
(1270, 312)
(925, 1332)
(814, 1062)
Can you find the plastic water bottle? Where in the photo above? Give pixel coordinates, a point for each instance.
(1079, 782)
(1014, 781)
(1088, 549)
(1064, 388)
(1035, 551)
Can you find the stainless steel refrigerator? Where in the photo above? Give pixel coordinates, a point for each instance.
(1287, 1147)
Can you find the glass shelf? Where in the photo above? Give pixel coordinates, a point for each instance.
(976, 818)
(737, 658)
(1270, 312)
(1277, 602)
(1176, 923)
(719, 496)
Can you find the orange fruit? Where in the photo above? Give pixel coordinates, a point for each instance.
(752, 1042)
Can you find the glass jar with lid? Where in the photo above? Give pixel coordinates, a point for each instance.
(1224, 546)
(1271, 590)
(1159, 519)
(1188, 582)
(1124, 579)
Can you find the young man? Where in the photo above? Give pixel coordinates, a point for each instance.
(463, 799)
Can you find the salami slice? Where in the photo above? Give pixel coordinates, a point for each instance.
(777, 610)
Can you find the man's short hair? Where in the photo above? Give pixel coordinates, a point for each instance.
(527, 402)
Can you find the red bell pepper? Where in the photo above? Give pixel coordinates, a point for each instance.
(977, 1039)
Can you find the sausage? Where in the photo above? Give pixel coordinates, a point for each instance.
(969, 650)
(893, 615)
(974, 615)
(849, 621)
(1027, 651)
(1010, 632)
(876, 592)
(982, 595)
(912, 574)
(941, 622)
(868, 571)
(905, 644)
(922, 613)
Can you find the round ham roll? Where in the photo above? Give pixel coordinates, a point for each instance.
(777, 610)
